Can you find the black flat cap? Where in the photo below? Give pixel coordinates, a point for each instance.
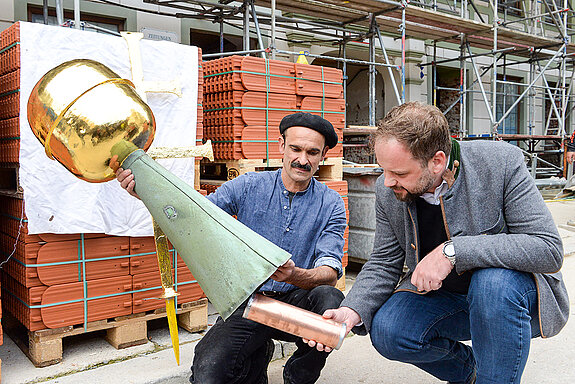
(315, 122)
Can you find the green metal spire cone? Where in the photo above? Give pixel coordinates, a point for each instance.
(229, 260)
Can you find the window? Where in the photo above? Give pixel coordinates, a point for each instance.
(510, 8)
(209, 42)
(552, 125)
(507, 94)
(448, 100)
(36, 15)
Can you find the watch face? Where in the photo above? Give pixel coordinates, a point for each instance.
(449, 250)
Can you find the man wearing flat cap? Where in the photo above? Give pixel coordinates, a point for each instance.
(304, 217)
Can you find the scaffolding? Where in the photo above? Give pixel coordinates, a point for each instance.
(490, 38)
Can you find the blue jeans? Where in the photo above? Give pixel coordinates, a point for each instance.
(239, 350)
(499, 315)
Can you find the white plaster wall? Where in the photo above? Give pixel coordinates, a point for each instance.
(6, 13)
(390, 97)
(143, 5)
(481, 123)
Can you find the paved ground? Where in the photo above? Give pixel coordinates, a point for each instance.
(90, 359)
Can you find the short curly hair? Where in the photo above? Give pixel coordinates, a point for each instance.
(422, 128)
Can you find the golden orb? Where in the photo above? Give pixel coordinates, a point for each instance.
(80, 109)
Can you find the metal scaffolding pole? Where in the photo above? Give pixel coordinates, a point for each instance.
(507, 23)
(483, 93)
(556, 20)
(564, 101)
(59, 12)
(246, 20)
(352, 61)
(372, 73)
(45, 11)
(568, 103)
(257, 25)
(221, 33)
(402, 29)
(389, 71)
(462, 87)
(224, 54)
(503, 91)
(77, 14)
(434, 73)
(552, 97)
(273, 29)
(344, 69)
(494, 68)
(531, 99)
(505, 50)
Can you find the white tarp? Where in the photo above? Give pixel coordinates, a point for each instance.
(55, 200)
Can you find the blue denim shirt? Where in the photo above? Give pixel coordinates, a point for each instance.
(310, 228)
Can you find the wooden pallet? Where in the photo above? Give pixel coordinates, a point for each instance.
(329, 169)
(44, 347)
(197, 174)
(341, 282)
(10, 181)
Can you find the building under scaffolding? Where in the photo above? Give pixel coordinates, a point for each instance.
(497, 69)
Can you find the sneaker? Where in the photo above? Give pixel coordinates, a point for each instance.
(270, 349)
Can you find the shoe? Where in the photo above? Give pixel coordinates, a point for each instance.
(270, 349)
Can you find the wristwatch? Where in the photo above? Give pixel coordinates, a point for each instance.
(449, 251)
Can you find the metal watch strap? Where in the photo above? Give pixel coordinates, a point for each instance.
(449, 255)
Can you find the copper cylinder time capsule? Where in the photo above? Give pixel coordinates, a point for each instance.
(294, 320)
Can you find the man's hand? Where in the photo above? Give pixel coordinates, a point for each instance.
(284, 272)
(431, 270)
(570, 156)
(344, 315)
(124, 176)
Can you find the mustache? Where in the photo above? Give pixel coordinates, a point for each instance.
(296, 164)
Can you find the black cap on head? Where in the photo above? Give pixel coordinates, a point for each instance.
(315, 122)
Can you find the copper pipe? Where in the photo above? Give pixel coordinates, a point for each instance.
(295, 321)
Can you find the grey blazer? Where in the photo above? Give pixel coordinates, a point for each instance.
(495, 216)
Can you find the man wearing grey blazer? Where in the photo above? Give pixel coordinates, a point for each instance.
(481, 251)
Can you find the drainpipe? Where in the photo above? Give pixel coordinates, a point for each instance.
(77, 14)
(59, 12)
(45, 11)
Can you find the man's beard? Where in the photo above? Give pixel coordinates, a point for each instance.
(425, 183)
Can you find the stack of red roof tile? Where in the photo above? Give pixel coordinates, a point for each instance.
(340, 186)
(200, 109)
(209, 187)
(51, 279)
(9, 94)
(54, 280)
(246, 97)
